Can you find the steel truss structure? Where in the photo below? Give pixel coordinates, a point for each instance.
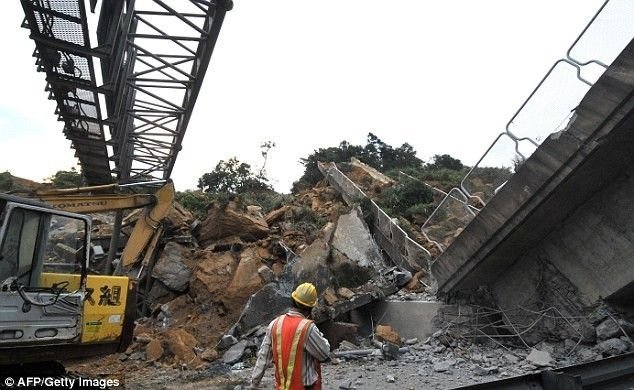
(153, 57)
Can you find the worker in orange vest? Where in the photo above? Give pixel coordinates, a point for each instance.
(295, 345)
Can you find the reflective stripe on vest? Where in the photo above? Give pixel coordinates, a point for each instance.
(286, 380)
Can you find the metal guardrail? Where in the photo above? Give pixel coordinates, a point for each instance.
(522, 142)
(404, 252)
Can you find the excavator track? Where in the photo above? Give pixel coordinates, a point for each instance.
(50, 375)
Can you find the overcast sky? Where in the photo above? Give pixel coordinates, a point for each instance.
(444, 76)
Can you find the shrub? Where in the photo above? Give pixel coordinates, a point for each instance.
(194, 201)
(6, 181)
(67, 179)
(397, 199)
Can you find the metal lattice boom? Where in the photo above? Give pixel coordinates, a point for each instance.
(153, 56)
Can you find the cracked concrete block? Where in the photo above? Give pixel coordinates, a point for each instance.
(539, 358)
(355, 256)
(612, 328)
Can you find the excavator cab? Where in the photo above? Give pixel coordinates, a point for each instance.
(50, 305)
(32, 242)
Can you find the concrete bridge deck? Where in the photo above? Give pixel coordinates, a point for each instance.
(569, 207)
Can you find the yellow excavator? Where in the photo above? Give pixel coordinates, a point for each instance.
(51, 307)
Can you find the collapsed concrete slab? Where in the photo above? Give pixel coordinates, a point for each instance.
(355, 255)
(577, 177)
(558, 236)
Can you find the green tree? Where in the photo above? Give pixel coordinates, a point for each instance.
(232, 176)
(401, 158)
(446, 161)
(372, 152)
(265, 148)
(66, 179)
(375, 153)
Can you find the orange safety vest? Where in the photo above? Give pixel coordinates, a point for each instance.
(288, 336)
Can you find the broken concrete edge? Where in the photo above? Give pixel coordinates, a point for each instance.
(409, 254)
(323, 314)
(353, 194)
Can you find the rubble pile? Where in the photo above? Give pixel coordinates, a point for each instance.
(218, 283)
(447, 353)
(212, 297)
(600, 334)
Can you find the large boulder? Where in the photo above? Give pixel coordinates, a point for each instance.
(154, 350)
(313, 265)
(159, 293)
(276, 215)
(228, 221)
(246, 279)
(212, 275)
(234, 354)
(181, 344)
(170, 268)
(355, 255)
(262, 307)
(179, 218)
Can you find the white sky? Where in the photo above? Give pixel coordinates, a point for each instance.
(444, 76)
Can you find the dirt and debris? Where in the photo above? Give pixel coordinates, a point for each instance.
(212, 297)
(438, 362)
(203, 301)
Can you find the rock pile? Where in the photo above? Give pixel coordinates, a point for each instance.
(211, 297)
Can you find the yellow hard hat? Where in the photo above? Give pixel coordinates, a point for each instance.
(305, 294)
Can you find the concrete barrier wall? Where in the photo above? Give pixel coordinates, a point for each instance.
(402, 250)
(409, 318)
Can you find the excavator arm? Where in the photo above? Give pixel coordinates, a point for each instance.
(89, 200)
(97, 203)
(148, 225)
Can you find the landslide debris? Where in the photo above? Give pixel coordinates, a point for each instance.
(207, 279)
